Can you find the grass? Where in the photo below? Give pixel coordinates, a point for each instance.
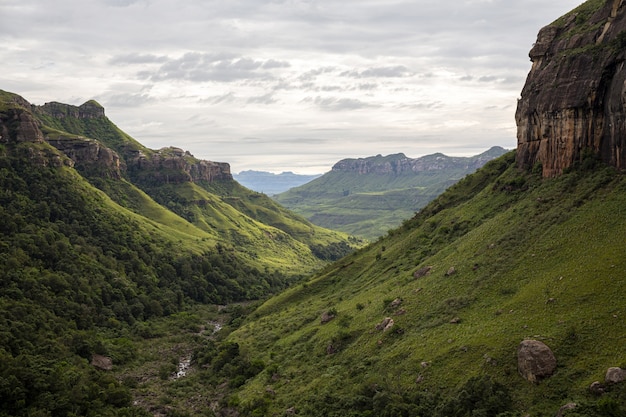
(541, 261)
(370, 204)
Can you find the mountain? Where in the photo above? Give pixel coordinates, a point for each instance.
(270, 183)
(101, 236)
(501, 297)
(368, 196)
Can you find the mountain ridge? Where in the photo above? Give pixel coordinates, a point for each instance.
(369, 196)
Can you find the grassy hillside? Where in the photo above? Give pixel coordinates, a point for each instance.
(511, 257)
(368, 204)
(89, 263)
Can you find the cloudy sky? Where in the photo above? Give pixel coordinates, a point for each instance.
(283, 85)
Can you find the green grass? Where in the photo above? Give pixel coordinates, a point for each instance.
(543, 260)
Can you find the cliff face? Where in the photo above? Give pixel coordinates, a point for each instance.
(108, 156)
(399, 164)
(573, 102)
(173, 165)
(89, 156)
(19, 125)
(89, 110)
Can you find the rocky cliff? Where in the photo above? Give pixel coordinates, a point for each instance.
(96, 147)
(399, 164)
(174, 165)
(89, 110)
(573, 102)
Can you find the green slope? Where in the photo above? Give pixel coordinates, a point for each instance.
(369, 196)
(532, 258)
(89, 261)
(263, 232)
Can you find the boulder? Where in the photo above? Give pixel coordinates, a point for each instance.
(422, 272)
(596, 388)
(569, 406)
(326, 317)
(535, 360)
(395, 303)
(385, 325)
(451, 271)
(103, 363)
(615, 375)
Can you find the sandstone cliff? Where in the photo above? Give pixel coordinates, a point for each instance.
(573, 102)
(174, 165)
(89, 110)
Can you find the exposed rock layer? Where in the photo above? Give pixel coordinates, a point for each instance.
(400, 164)
(574, 100)
(19, 123)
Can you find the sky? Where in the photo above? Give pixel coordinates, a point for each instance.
(283, 85)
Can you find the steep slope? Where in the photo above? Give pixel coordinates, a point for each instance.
(201, 192)
(85, 270)
(368, 196)
(500, 257)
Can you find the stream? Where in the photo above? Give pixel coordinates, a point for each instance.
(185, 362)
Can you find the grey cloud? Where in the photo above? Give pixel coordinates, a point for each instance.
(398, 71)
(199, 67)
(224, 98)
(126, 100)
(314, 73)
(366, 87)
(272, 63)
(120, 3)
(137, 58)
(337, 104)
(264, 99)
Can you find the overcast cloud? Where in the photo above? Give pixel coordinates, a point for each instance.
(281, 85)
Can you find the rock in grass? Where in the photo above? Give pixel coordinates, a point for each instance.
(422, 272)
(535, 360)
(596, 388)
(385, 325)
(101, 362)
(326, 317)
(615, 375)
(569, 406)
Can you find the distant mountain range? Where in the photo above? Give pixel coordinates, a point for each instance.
(270, 183)
(368, 196)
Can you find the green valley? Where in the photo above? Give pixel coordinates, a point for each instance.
(500, 257)
(369, 196)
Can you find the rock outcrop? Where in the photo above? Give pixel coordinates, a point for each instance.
(21, 121)
(399, 164)
(535, 360)
(89, 156)
(573, 104)
(19, 125)
(89, 110)
(175, 166)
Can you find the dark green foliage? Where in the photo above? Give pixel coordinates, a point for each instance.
(478, 397)
(331, 252)
(72, 269)
(225, 362)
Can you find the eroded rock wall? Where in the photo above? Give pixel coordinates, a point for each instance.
(574, 99)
